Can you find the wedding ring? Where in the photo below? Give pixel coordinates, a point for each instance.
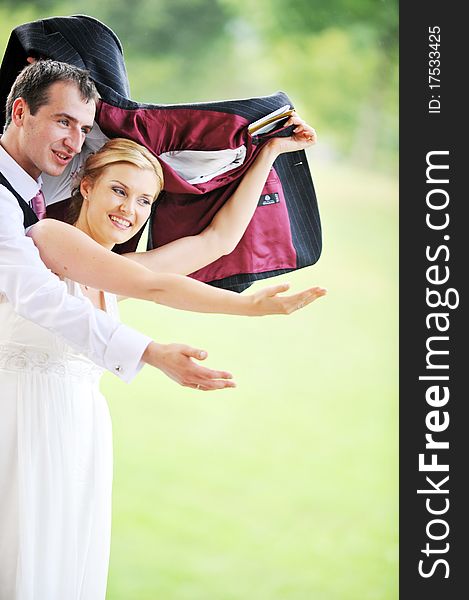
(198, 386)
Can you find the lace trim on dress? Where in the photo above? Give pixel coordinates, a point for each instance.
(16, 357)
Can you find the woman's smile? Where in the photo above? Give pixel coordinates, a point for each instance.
(120, 222)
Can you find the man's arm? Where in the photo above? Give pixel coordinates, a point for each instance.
(39, 296)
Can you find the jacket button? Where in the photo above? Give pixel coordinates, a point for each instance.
(118, 368)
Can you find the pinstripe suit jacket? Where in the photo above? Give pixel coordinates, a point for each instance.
(285, 232)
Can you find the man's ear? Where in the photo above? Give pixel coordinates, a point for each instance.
(18, 111)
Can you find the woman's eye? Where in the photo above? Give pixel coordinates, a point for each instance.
(144, 202)
(64, 122)
(118, 191)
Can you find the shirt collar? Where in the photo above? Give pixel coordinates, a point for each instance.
(24, 184)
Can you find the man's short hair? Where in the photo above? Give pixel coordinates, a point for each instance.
(34, 81)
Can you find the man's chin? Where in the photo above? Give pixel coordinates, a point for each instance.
(54, 170)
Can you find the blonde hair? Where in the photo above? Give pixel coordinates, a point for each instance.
(117, 150)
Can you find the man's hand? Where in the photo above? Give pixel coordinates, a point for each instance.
(175, 360)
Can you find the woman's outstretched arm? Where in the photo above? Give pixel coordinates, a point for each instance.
(221, 237)
(70, 253)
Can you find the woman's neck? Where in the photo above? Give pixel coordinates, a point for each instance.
(82, 225)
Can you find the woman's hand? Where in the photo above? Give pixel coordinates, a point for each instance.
(303, 137)
(268, 301)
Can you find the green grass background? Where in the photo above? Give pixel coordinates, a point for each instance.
(286, 487)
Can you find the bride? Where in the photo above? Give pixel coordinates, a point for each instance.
(56, 521)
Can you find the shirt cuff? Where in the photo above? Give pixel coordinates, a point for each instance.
(123, 356)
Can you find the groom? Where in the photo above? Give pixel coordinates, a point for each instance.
(50, 110)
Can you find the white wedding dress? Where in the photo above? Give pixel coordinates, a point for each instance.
(55, 465)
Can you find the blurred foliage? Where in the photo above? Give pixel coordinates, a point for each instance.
(337, 60)
(310, 16)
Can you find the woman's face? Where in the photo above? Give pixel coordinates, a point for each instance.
(117, 204)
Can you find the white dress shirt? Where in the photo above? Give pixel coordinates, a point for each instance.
(38, 295)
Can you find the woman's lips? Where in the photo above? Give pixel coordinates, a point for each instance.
(120, 222)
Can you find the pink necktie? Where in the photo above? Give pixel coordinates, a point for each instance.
(38, 204)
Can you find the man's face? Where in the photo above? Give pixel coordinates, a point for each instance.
(51, 138)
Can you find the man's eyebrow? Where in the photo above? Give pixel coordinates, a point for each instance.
(72, 119)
